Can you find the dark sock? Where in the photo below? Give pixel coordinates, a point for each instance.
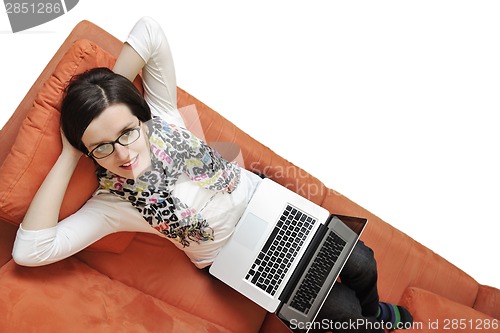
(398, 316)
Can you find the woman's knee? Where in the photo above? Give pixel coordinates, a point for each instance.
(361, 261)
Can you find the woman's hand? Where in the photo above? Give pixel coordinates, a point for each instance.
(68, 149)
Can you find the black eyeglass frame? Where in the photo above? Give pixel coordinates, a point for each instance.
(112, 143)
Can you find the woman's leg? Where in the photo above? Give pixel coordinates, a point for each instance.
(360, 275)
(352, 305)
(343, 313)
(356, 300)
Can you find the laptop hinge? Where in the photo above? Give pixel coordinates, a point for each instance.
(304, 261)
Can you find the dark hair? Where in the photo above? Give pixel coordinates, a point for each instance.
(89, 94)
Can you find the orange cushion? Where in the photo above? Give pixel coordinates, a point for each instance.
(38, 145)
(161, 270)
(488, 301)
(69, 296)
(435, 313)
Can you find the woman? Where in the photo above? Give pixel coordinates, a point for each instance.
(154, 175)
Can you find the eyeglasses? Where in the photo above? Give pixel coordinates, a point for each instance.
(107, 148)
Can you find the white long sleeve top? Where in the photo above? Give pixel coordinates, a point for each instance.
(105, 213)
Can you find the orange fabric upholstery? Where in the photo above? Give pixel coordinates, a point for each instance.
(434, 313)
(38, 143)
(62, 297)
(163, 272)
(141, 283)
(488, 301)
(7, 234)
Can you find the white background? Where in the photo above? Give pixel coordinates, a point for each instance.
(391, 103)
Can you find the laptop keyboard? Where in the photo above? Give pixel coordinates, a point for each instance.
(317, 273)
(281, 248)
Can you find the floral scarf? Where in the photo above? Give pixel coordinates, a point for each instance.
(174, 151)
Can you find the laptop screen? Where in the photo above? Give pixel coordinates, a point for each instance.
(356, 224)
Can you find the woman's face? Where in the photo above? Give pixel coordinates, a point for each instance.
(125, 161)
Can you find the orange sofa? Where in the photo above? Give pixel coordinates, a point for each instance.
(132, 282)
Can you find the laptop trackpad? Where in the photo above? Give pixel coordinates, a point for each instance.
(250, 231)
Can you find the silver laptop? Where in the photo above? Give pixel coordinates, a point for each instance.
(286, 252)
